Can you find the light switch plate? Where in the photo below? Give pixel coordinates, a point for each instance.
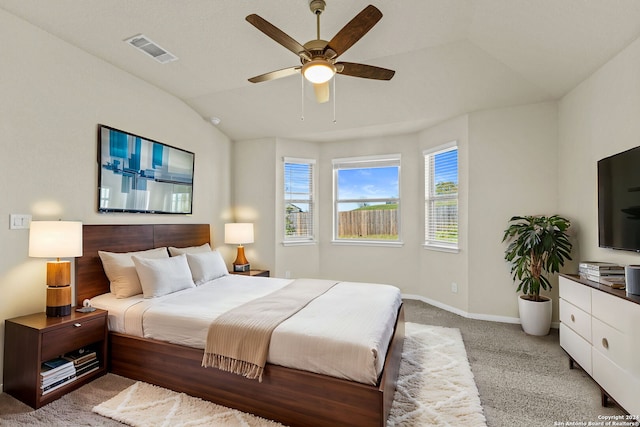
(19, 221)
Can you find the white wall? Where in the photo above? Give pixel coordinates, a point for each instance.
(254, 193)
(258, 198)
(297, 260)
(597, 119)
(513, 170)
(52, 96)
(508, 166)
(392, 265)
(438, 270)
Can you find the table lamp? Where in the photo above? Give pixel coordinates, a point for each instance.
(239, 233)
(56, 239)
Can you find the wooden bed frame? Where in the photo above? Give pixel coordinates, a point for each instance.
(292, 397)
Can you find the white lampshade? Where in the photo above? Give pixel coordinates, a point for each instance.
(238, 233)
(318, 71)
(55, 239)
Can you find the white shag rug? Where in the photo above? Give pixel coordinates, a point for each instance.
(435, 388)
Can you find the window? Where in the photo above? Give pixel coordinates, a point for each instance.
(367, 199)
(298, 200)
(441, 197)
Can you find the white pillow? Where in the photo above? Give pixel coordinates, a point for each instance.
(206, 266)
(121, 271)
(189, 250)
(163, 276)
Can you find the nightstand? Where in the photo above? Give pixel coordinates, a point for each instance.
(31, 340)
(261, 273)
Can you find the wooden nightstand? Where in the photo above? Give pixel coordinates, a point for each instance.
(31, 340)
(261, 273)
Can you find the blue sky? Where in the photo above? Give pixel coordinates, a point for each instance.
(444, 170)
(383, 182)
(371, 183)
(368, 183)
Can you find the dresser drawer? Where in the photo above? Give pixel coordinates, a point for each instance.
(614, 345)
(617, 382)
(576, 319)
(576, 293)
(617, 312)
(75, 335)
(578, 348)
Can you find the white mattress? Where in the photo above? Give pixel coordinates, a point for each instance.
(343, 333)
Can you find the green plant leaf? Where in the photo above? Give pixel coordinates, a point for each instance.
(537, 246)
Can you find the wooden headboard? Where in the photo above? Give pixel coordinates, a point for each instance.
(90, 277)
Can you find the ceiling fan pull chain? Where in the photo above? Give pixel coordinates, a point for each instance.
(335, 80)
(302, 97)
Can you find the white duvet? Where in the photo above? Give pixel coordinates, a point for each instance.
(343, 333)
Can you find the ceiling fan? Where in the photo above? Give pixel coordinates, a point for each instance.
(318, 57)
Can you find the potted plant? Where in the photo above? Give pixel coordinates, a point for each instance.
(538, 246)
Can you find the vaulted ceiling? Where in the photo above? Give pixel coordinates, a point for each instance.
(450, 56)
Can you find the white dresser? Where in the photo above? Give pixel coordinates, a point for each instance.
(600, 330)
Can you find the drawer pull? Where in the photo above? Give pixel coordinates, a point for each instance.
(573, 318)
(605, 343)
(77, 325)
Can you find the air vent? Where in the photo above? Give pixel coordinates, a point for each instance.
(148, 46)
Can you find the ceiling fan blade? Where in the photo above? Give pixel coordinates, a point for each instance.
(322, 92)
(354, 30)
(278, 35)
(285, 72)
(364, 71)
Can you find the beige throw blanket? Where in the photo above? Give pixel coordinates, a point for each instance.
(238, 340)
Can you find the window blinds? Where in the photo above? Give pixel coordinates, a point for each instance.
(441, 196)
(298, 199)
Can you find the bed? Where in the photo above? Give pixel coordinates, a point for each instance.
(291, 396)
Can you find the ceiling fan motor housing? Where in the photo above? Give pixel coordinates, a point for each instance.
(316, 47)
(317, 6)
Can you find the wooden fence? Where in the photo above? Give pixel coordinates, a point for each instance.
(357, 223)
(363, 223)
(298, 224)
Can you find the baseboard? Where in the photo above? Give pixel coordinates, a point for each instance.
(474, 316)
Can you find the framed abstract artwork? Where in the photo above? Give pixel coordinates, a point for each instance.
(138, 174)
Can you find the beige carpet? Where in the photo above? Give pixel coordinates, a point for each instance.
(435, 388)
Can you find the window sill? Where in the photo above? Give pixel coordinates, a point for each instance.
(438, 248)
(299, 243)
(367, 243)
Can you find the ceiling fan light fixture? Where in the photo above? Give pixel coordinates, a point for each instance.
(318, 71)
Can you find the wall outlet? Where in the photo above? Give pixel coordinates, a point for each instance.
(19, 221)
(454, 287)
(287, 274)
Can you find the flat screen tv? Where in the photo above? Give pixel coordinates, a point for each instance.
(619, 201)
(138, 174)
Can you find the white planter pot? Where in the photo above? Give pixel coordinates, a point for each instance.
(535, 317)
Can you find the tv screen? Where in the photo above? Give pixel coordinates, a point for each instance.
(138, 174)
(619, 201)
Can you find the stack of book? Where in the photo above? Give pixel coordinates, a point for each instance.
(83, 361)
(55, 373)
(603, 272)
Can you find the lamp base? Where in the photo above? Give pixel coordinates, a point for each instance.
(241, 267)
(58, 301)
(240, 258)
(241, 264)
